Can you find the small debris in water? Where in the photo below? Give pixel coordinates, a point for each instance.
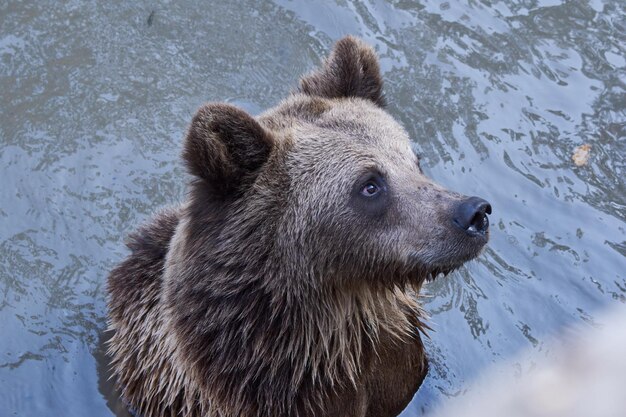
(151, 18)
(581, 155)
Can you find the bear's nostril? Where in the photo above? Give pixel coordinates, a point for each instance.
(471, 216)
(479, 223)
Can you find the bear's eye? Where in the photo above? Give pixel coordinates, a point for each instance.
(370, 189)
(370, 194)
(371, 185)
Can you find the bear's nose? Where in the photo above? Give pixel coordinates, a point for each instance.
(471, 216)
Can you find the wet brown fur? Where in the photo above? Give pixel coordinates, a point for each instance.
(259, 296)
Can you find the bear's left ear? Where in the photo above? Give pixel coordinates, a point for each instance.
(226, 147)
(351, 70)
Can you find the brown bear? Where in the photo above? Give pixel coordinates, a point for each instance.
(287, 283)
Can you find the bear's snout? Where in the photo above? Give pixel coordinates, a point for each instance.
(471, 216)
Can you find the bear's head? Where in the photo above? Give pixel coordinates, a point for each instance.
(324, 189)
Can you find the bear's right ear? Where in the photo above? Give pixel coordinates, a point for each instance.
(351, 70)
(226, 147)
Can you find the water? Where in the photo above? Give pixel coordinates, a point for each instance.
(95, 98)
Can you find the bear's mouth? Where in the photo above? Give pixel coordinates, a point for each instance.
(440, 262)
(435, 273)
(424, 273)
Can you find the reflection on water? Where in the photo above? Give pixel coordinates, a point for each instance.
(496, 94)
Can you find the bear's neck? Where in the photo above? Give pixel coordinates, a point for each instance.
(250, 336)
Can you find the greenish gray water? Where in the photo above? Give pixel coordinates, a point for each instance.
(95, 98)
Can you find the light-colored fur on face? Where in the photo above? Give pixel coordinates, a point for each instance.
(347, 137)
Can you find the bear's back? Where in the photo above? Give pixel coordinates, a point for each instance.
(140, 359)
